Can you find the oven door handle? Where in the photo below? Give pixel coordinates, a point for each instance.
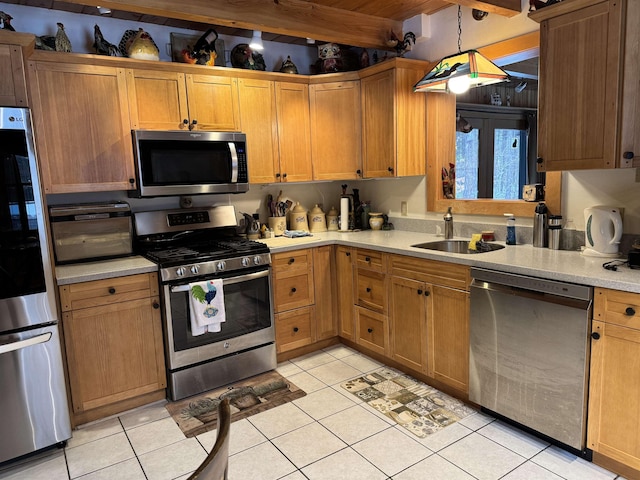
(226, 281)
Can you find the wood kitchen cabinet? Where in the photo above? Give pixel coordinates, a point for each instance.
(393, 120)
(172, 100)
(614, 385)
(589, 96)
(344, 291)
(81, 120)
(371, 300)
(335, 125)
(113, 342)
(275, 118)
(14, 47)
(429, 318)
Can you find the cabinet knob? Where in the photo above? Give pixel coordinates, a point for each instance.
(348, 254)
(539, 160)
(630, 312)
(277, 175)
(628, 155)
(185, 121)
(427, 293)
(419, 292)
(367, 259)
(368, 289)
(370, 330)
(284, 175)
(291, 260)
(155, 305)
(359, 173)
(595, 335)
(293, 290)
(112, 290)
(295, 329)
(390, 170)
(132, 181)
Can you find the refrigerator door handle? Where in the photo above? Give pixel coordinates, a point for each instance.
(11, 347)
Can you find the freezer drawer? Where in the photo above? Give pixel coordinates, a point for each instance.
(33, 403)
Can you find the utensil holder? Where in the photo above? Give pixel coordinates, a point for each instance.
(278, 225)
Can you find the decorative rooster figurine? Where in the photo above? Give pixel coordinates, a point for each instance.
(63, 44)
(6, 21)
(401, 46)
(102, 46)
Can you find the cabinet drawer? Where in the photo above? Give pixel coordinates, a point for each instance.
(430, 271)
(293, 329)
(620, 308)
(371, 290)
(292, 263)
(375, 261)
(293, 292)
(104, 292)
(371, 330)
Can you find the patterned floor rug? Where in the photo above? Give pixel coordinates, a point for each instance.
(199, 414)
(421, 409)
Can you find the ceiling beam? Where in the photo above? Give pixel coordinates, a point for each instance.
(295, 18)
(506, 8)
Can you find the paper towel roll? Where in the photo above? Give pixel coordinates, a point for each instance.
(344, 214)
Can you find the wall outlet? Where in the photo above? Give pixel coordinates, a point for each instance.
(403, 209)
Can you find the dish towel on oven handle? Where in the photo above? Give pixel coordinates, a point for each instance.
(206, 305)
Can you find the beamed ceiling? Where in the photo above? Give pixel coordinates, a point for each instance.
(363, 23)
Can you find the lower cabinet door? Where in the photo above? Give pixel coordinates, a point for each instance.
(114, 352)
(295, 329)
(614, 413)
(408, 323)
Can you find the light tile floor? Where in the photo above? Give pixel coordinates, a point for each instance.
(328, 434)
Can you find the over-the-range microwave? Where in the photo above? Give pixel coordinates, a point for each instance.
(189, 163)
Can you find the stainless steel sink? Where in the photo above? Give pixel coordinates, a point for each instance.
(458, 246)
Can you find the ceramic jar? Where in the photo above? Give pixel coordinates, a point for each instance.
(317, 221)
(332, 220)
(298, 218)
(375, 221)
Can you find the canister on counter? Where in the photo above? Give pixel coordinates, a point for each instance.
(554, 231)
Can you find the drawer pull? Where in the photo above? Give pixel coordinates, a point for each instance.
(295, 329)
(368, 289)
(348, 254)
(427, 293)
(595, 335)
(155, 305)
(630, 312)
(112, 290)
(291, 260)
(367, 259)
(370, 330)
(419, 292)
(293, 290)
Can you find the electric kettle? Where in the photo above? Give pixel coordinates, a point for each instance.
(603, 230)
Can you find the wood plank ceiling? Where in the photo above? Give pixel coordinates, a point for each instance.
(363, 23)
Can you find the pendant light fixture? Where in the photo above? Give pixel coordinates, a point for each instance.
(456, 73)
(256, 40)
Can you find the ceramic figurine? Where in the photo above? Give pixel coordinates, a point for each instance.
(143, 48)
(288, 66)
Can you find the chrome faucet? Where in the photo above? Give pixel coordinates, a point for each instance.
(448, 224)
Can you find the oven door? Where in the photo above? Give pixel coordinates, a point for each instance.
(248, 320)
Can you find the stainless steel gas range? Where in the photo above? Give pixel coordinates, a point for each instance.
(203, 263)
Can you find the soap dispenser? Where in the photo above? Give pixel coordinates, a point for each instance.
(511, 229)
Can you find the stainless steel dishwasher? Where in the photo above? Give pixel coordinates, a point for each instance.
(529, 353)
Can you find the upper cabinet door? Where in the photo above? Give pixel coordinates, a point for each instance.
(335, 130)
(158, 100)
(213, 102)
(81, 117)
(258, 121)
(581, 54)
(13, 87)
(294, 137)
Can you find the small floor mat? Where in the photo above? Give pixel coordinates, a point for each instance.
(199, 413)
(420, 408)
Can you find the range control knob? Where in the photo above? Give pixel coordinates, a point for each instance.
(257, 260)
(220, 266)
(245, 261)
(194, 269)
(181, 271)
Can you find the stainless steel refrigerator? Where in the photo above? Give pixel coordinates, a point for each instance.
(33, 401)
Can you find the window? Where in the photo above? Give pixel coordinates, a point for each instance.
(491, 159)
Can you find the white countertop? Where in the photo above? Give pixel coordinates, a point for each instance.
(85, 272)
(567, 266)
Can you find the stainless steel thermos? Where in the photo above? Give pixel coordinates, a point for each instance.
(540, 226)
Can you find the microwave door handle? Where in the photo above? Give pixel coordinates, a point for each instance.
(234, 162)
